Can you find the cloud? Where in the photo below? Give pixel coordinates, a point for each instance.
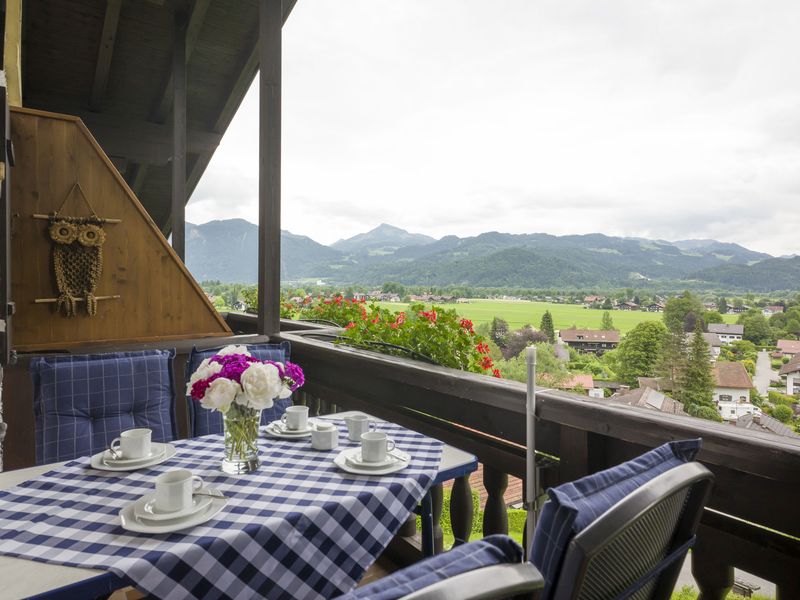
(634, 117)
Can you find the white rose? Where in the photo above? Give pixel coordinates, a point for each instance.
(233, 350)
(261, 383)
(204, 371)
(220, 394)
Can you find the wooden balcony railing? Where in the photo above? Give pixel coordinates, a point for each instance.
(753, 519)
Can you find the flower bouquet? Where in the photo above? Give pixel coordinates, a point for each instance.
(240, 386)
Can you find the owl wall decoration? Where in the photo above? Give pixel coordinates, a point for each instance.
(77, 260)
(77, 252)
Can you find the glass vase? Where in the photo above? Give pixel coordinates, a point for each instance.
(241, 425)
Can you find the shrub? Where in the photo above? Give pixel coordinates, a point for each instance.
(776, 363)
(783, 413)
(777, 398)
(704, 412)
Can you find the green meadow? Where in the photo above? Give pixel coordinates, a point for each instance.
(520, 313)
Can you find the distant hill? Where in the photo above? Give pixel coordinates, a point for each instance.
(227, 251)
(384, 239)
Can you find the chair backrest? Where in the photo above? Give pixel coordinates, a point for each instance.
(82, 402)
(205, 422)
(635, 549)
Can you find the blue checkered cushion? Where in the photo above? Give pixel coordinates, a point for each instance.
(491, 550)
(205, 422)
(575, 505)
(81, 403)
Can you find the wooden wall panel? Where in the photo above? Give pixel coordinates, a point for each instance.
(159, 299)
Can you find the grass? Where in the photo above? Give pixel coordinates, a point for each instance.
(688, 592)
(520, 313)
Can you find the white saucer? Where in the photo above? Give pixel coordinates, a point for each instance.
(275, 429)
(131, 522)
(156, 450)
(355, 459)
(341, 461)
(145, 509)
(98, 462)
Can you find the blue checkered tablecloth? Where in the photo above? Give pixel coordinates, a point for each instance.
(297, 528)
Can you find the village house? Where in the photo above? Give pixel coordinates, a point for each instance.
(713, 341)
(756, 422)
(590, 340)
(650, 398)
(791, 371)
(768, 311)
(789, 348)
(732, 385)
(727, 332)
(577, 382)
(628, 305)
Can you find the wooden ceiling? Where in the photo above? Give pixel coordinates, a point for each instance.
(110, 63)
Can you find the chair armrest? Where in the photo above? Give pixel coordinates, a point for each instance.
(487, 583)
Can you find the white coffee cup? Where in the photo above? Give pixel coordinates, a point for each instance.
(131, 443)
(375, 445)
(357, 425)
(296, 418)
(324, 436)
(174, 490)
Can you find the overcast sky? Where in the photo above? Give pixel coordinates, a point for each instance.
(664, 119)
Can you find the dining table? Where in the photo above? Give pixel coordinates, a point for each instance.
(299, 527)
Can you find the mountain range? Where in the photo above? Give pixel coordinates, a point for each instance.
(227, 251)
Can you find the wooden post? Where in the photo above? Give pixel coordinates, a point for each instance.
(179, 137)
(461, 510)
(495, 513)
(269, 167)
(12, 58)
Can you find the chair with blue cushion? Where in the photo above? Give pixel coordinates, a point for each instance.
(82, 402)
(620, 533)
(205, 422)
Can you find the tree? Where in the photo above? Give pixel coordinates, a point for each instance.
(392, 287)
(677, 309)
(499, 332)
(638, 353)
(607, 304)
(712, 316)
(671, 363)
(546, 327)
(722, 305)
(607, 323)
(756, 328)
(698, 381)
(520, 339)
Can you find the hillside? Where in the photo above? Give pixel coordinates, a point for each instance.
(772, 274)
(227, 251)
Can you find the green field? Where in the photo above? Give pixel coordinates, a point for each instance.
(519, 313)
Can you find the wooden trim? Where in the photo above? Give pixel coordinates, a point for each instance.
(135, 201)
(104, 54)
(12, 53)
(74, 345)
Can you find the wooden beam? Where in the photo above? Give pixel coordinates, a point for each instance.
(142, 141)
(137, 173)
(244, 74)
(12, 53)
(178, 212)
(164, 95)
(270, 18)
(104, 54)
